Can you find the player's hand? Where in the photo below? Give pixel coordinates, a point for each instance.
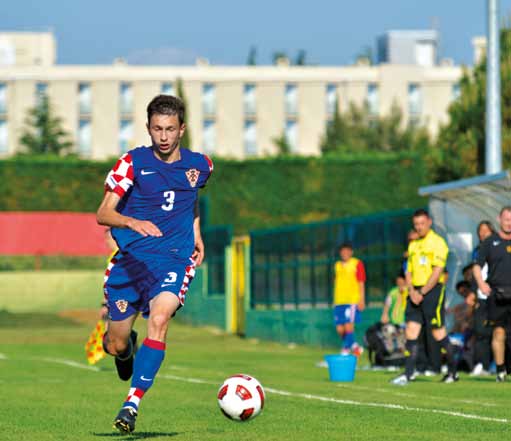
(145, 228)
(361, 306)
(103, 313)
(416, 297)
(198, 253)
(485, 289)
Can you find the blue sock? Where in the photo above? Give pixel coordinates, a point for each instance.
(147, 362)
(348, 340)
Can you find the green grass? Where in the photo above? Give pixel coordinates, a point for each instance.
(49, 291)
(43, 399)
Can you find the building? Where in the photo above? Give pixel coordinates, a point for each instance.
(418, 48)
(233, 111)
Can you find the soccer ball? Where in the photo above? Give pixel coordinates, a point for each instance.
(241, 397)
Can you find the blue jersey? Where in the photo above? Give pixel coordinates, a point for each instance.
(160, 192)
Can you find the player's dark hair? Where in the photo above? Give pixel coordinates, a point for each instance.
(465, 286)
(345, 245)
(166, 105)
(420, 212)
(467, 267)
(488, 224)
(505, 208)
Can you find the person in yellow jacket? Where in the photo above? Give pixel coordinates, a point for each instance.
(425, 278)
(349, 297)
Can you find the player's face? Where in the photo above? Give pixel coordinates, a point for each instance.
(422, 224)
(505, 221)
(166, 132)
(401, 283)
(346, 254)
(484, 232)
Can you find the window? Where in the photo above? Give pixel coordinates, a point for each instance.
(291, 99)
(331, 99)
(84, 98)
(84, 137)
(209, 136)
(373, 101)
(414, 99)
(249, 99)
(167, 89)
(41, 90)
(250, 138)
(291, 134)
(125, 135)
(3, 98)
(126, 98)
(208, 99)
(4, 138)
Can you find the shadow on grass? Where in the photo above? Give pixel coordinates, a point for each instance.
(136, 435)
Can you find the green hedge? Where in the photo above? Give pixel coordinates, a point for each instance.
(250, 194)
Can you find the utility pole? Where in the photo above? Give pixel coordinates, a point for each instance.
(493, 154)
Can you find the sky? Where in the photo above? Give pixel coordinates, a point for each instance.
(155, 32)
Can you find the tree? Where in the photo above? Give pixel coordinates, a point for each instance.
(359, 131)
(282, 144)
(301, 58)
(43, 132)
(278, 55)
(252, 56)
(186, 141)
(460, 149)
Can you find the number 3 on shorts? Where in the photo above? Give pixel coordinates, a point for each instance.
(171, 279)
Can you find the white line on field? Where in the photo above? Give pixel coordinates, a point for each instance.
(408, 395)
(352, 402)
(66, 362)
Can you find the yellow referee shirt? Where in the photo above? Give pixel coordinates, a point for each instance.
(424, 254)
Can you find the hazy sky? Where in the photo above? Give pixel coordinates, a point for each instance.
(331, 32)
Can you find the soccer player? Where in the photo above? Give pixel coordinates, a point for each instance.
(425, 305)
(395, 303)
(495, 251)
(349, 297)
(151, 205)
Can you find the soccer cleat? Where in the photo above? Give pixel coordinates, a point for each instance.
(357, 350)
(125, 366)
(345, 351)
(501, 377)
(125, 420)
(450, 378)
(400, 380)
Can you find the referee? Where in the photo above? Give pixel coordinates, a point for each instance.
(496, 252)
(425, 305)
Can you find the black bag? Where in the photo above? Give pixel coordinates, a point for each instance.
(503, 293)
(380, 352)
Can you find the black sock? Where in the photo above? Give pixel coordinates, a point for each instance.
(501, 368)
(411, 357)
(448, 350)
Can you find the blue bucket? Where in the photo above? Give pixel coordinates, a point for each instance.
(341, 367)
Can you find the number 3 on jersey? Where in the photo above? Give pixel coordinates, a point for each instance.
(169, 197)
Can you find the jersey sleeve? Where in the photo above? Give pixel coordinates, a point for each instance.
(440, 254)
(208, 170)
(361, 272)
(120, 178)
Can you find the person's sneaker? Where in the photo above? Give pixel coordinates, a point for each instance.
(125, 420)
(125, 366)
(400, 380)
(450, 378)
(501, 377)
(357, 350)
(430, 373)
(478, 368)
(345, 351)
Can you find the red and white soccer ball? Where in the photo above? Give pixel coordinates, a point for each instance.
(241, 397)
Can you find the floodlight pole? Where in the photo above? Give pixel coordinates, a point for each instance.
(493, 154)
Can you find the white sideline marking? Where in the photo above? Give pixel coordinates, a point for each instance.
(352, 402)
(71, 363)
(408, 395)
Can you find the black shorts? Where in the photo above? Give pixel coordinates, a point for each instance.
(430, 310)
(499, 312)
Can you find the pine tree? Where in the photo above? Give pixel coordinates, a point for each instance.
(186, 140)
(43, 133)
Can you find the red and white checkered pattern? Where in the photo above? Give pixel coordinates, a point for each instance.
(134, 396)
(108, 270)
(210, 163)
(120, 178)
(189, 275)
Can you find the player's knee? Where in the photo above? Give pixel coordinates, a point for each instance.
(159, 320)
(115, 345)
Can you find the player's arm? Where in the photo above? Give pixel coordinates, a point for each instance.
(438, 264)
(198, 253)
(433, 280)
(361, 278)
(482, 259)
(109, 216)
(385, 313)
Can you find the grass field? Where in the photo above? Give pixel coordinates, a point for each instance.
(49, 393)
